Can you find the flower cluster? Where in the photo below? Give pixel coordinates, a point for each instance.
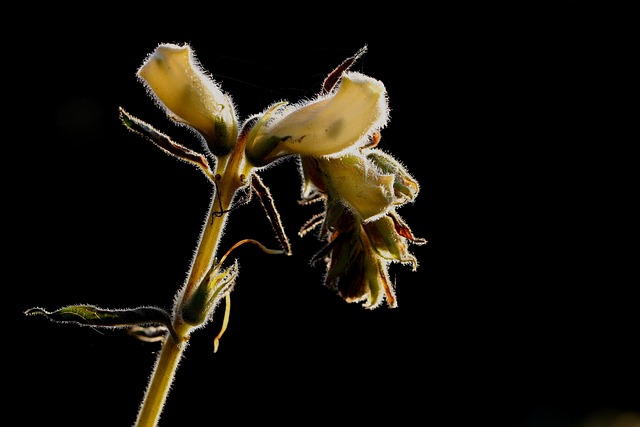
(361, 192)
(334, 137)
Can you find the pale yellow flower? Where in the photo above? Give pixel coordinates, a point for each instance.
(364, 233)
(175, 79)
(329, 125)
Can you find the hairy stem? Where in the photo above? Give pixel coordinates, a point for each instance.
(228, 179)
(163, 374)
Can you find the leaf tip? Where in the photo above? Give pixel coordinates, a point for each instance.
(35, 311)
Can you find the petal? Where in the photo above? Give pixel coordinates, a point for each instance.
(328, 125)
(175, 79)
(351, 180)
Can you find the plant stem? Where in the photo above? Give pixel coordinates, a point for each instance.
(229, 178)
(163, 374)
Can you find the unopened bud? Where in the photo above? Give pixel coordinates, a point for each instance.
(189, 96)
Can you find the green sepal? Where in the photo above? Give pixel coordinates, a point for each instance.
(89, 315)
(222, 141)
(256, 154)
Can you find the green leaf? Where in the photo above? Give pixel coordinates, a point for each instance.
(89, 315)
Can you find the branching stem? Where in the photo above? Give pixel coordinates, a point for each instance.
(231, 172)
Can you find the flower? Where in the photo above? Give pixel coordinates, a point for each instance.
(357, 181)
(365, 234)
(369, 182)
(360, 256)
(328, 125)
(175, 79)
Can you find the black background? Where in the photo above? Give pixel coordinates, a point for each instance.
(517, 314)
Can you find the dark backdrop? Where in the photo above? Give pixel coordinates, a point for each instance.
(509, 319)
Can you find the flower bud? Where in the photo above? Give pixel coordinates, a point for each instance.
(198, 308)
(326, 126)
(175, 79)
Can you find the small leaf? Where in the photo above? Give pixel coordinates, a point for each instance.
(89, 315)
(165, 143)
